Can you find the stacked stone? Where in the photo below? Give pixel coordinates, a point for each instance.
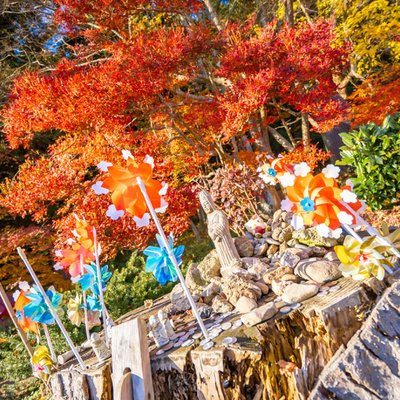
(281, 267)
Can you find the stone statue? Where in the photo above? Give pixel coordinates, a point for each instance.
(166, 323)
(157, 331)
(99, 347)
(218, 230)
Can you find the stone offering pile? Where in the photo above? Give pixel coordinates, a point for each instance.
(276, 269)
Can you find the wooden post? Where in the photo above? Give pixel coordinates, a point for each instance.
(14, 319)
(130, 353)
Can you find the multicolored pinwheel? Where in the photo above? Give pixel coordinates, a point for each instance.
(363, 259)
(20, 302)
(159, 263)
(37, 309)
(41, 363)
(126, 195)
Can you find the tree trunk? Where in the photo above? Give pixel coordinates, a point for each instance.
(333, 141)
(289, 13)
(213, 14)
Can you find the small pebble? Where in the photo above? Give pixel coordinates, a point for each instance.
(334, 289)
(177, 344)
(237, 324)
(331, 283)
(168, 346)
(295, 306)
(179, 334)
(159, 352)
(184, 337)
(285, 310)
(187, 343)
(214, 334)
(229, 340)
(197, 335)
(226, 325)
(204, 341)
(208, 345)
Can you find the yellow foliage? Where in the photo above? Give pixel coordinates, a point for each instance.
(372, 27)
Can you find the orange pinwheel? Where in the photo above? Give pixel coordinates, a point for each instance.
(126, 195)
(317, 200)
(20, 302)
(84, 234)
(272, 170)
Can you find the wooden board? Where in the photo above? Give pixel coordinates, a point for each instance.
(130, 353)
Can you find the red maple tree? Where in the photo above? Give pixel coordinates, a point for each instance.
(157, 78)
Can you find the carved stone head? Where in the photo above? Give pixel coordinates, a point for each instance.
(162, 315)
(207, 202)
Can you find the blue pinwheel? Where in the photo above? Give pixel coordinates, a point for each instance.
(93, 303)
(89, 279)
(37, 310)
(159, 263)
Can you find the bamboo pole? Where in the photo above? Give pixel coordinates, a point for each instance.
(14, 319)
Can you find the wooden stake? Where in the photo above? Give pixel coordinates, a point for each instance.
(130, 354)
(14, 319)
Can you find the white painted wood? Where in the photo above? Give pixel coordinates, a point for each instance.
(130, 353)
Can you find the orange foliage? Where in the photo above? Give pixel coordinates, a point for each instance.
(376, 97)
(155, 90)
(310, 154)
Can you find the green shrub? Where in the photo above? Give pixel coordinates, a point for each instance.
(130, 285)
(374, 152)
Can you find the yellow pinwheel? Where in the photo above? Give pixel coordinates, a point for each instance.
(75, 311)
(392, 237)
(41, 363)
(361, 260)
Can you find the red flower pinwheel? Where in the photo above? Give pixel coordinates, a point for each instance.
(126, 195)
(73, 258)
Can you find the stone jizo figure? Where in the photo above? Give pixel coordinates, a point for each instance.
(218, 230)
(157, 331)
(166, 323)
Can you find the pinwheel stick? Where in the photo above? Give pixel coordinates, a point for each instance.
(171, 255)
(85, 313)
(351, 232)
(371, 230)
(101, 296)
(49, 343)
(51, 308)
